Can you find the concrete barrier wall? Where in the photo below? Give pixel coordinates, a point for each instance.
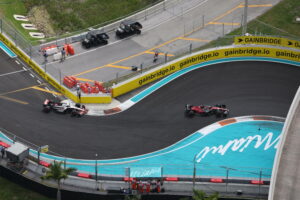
(223, 53)
(286, 127)
(50, 79)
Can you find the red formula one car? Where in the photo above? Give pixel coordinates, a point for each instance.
(203, 110)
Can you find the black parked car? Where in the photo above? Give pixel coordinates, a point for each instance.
(95, 38)
(127, 28)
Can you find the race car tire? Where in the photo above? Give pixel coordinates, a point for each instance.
(73, 114)
(191, 113)
(138, 31)
(46, 109)
(219, 113)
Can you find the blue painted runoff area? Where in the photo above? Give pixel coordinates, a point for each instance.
(9, 52)
(243, 149)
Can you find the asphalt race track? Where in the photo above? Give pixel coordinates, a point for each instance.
(156, 122)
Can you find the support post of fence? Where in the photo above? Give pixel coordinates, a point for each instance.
(245, 18)
(242, 20)
(30, 52)
(59, 76)
(166, 57)
(227, 174)
(141, 68)
(194, 172)
(39, 153)
(1, 25)
(65, 163)
(202, 21)
(117, 77)
(191, 48)
(259, 183)
(15, 39)
(223, 30)
(96, 171)
(45, 67)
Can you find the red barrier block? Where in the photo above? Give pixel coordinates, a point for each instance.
(126, 179)
(70, 49)
(83, 175)
(4, 144)
(256, 182)
(171, 179)
(99, 85)
(49, 47)
(45, 164)
(69, 82)
(216, 180)
(94, 89)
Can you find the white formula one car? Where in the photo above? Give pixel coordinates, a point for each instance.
(65, 106)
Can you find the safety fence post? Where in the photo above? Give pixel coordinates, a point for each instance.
(96, 171)
(39, 153)
(227, 174)
(117, 77)
(194, 172)
(259, 183)
(166, 57)
(65, 163)
(141, 68)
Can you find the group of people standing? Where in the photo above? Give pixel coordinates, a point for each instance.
(147, 186)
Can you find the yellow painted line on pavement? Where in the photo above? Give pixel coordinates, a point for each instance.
(13, 100)
(193, 39)
(20, 90)
(118, 66)
(86, 80)
(44, 90)
(174, 39)
(163, 44)
(161, 54)
(257, 6)
(225, 14)
(88, 71)
(225, 23)
(124, 59)
(215, 19)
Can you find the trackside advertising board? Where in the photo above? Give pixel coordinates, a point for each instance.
(204, 57)
(262, 40)
(49, 79)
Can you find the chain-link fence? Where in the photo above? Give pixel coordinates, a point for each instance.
(170, 51)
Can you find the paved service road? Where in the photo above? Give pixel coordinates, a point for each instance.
(172, 31)
(157, 121)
